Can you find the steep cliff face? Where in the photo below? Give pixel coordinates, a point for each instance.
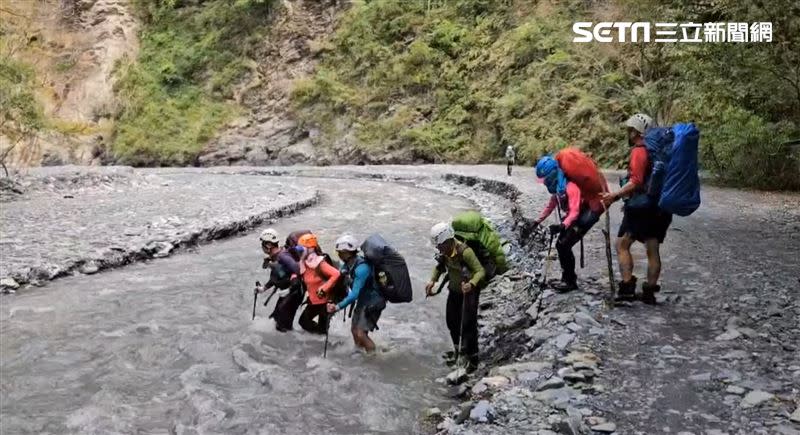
(72, 47)
(267, 132)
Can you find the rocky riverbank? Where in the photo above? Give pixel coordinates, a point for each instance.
(82, 220)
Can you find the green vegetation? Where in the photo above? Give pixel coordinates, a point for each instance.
(177, 94)
(21, 115)
(457, 80)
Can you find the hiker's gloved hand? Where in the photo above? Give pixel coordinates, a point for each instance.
(429, 288)
(332, 308)
(556, 229)
(466, 287)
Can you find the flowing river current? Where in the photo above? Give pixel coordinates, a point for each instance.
(169, 347)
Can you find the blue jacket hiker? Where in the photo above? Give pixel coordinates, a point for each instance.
(363, 292)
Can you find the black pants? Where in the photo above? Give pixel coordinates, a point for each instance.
(469, 340)
(286, 308)
(568, 239)
(307, 318)
(509, 165)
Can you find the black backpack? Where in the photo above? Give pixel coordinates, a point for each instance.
(339, 290)
(389, 269)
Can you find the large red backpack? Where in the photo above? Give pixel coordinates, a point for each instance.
(581, 170)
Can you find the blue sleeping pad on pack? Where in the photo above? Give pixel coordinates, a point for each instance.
(680, 190)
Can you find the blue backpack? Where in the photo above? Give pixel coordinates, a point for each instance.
(673, 183)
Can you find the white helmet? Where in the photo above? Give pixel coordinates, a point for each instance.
(269, 236)
(346, 243)
(441, 232)
(639, 122)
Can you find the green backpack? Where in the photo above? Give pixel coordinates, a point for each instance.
(471, 228)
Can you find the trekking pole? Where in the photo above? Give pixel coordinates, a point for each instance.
(582, 265)
(461, 329)
(327, 327)
(547, 262)
(607, 236)
(274, 290)
(255, 299)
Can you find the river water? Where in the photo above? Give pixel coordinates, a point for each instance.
(168, 347)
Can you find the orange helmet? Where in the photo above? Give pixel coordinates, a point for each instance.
(308, 241)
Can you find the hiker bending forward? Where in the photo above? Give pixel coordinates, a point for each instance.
(285, 275)
(363, 292)
(319, 278)
(466, 277)
(577, 212)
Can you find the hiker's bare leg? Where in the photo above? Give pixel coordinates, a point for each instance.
(356, 338)
(653, 261)
(363, 340)
(625, 258)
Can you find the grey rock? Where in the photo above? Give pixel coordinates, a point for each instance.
(784, 429)
(479, 388)
(89, 268)
(700, 377)
(431, 413)
(533, 311)
(9, 283)
(552, 383)
(529, 378)
(755, 398)
(558, 397)
(574, 327)
(605, 428)
(735, 389)
(564, 340)
(597, 331)
(483, 412)
(730, 334)
(464, 412)
(586, 320)
(715, 432)
(457, 391)
(512, 370)
(795, 417)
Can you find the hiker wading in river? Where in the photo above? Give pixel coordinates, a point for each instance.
(364, 293)
(319, 278)
(285, 275)
(466, 277)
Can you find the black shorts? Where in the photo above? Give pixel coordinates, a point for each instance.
(645, 224)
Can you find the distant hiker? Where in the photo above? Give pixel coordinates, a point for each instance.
(642, 221)
(466, 277)
(577, 212)
(363, 292)
(511, 156)
(285, 275)
(319, 277)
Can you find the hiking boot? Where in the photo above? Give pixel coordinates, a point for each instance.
(649, 293)
(449, 357)
(566, 286)
(627, 291)
(470, 364)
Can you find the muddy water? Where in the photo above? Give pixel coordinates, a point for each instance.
(169, 346)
